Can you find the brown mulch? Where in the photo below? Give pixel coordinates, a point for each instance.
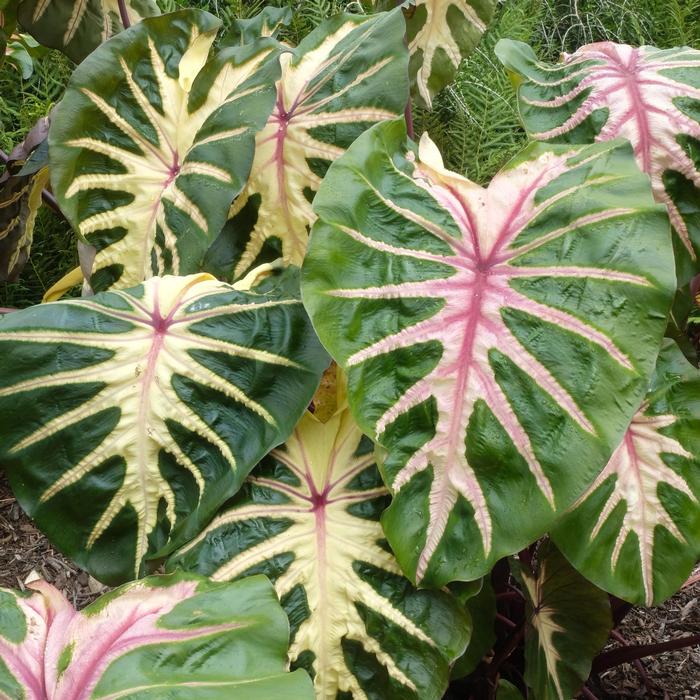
(24, 551)
(674, 674)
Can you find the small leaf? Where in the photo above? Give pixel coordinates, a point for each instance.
(635, 530)
(21, 184)
(569, 621)
(497, 340)
(266, 23)
(173, 636)
(78, 27)
(347, 74)
(153, 140)
(130, 417)
(440, 34)
(308, 518)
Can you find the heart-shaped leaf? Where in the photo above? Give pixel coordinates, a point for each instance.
(180, 637)
(635, 531)
(497, 340)
(649, 96)
(78, 27)
(347, 74)
(308, 517)
(152, 142)
(130, 417)
(569, 621)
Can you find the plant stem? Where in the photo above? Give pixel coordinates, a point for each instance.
(409, 120)
(651, 687)
(124, 14)
(615, 657)
(509, 648)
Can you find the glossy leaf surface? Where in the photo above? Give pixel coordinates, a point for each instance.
(649, 96)
(636, 531)
(154, 139)
(308, 518)
(493, 337)
(348, 74)
(180, 637)
(130, 417)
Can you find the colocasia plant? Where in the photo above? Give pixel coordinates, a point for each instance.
(456, 427)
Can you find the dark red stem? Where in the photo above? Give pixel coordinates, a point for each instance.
(637, 663)
(409, 120)
(615, 657)
(124, 14)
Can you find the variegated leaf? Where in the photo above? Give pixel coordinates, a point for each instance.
(166, 636)
(649, 96)
(347, 74)
(308, 517)
(440, 34)
(636, 531)
(494, 337)
(569, 621)
(78, 27)
(130, 417)
(153, 140)
(268, 22)
(21, 184)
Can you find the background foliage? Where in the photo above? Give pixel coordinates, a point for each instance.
(474, 123)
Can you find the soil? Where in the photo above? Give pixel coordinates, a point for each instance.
(25, 552)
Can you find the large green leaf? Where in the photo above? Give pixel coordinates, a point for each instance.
(569, 621)
(21, 185)
(636, 531)
(650, 97)
(78, 27)
(498, 340)
(130, 417)
(153, 140)
(179, 637)
(308, 517)
(347, 74)
(440, 34)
